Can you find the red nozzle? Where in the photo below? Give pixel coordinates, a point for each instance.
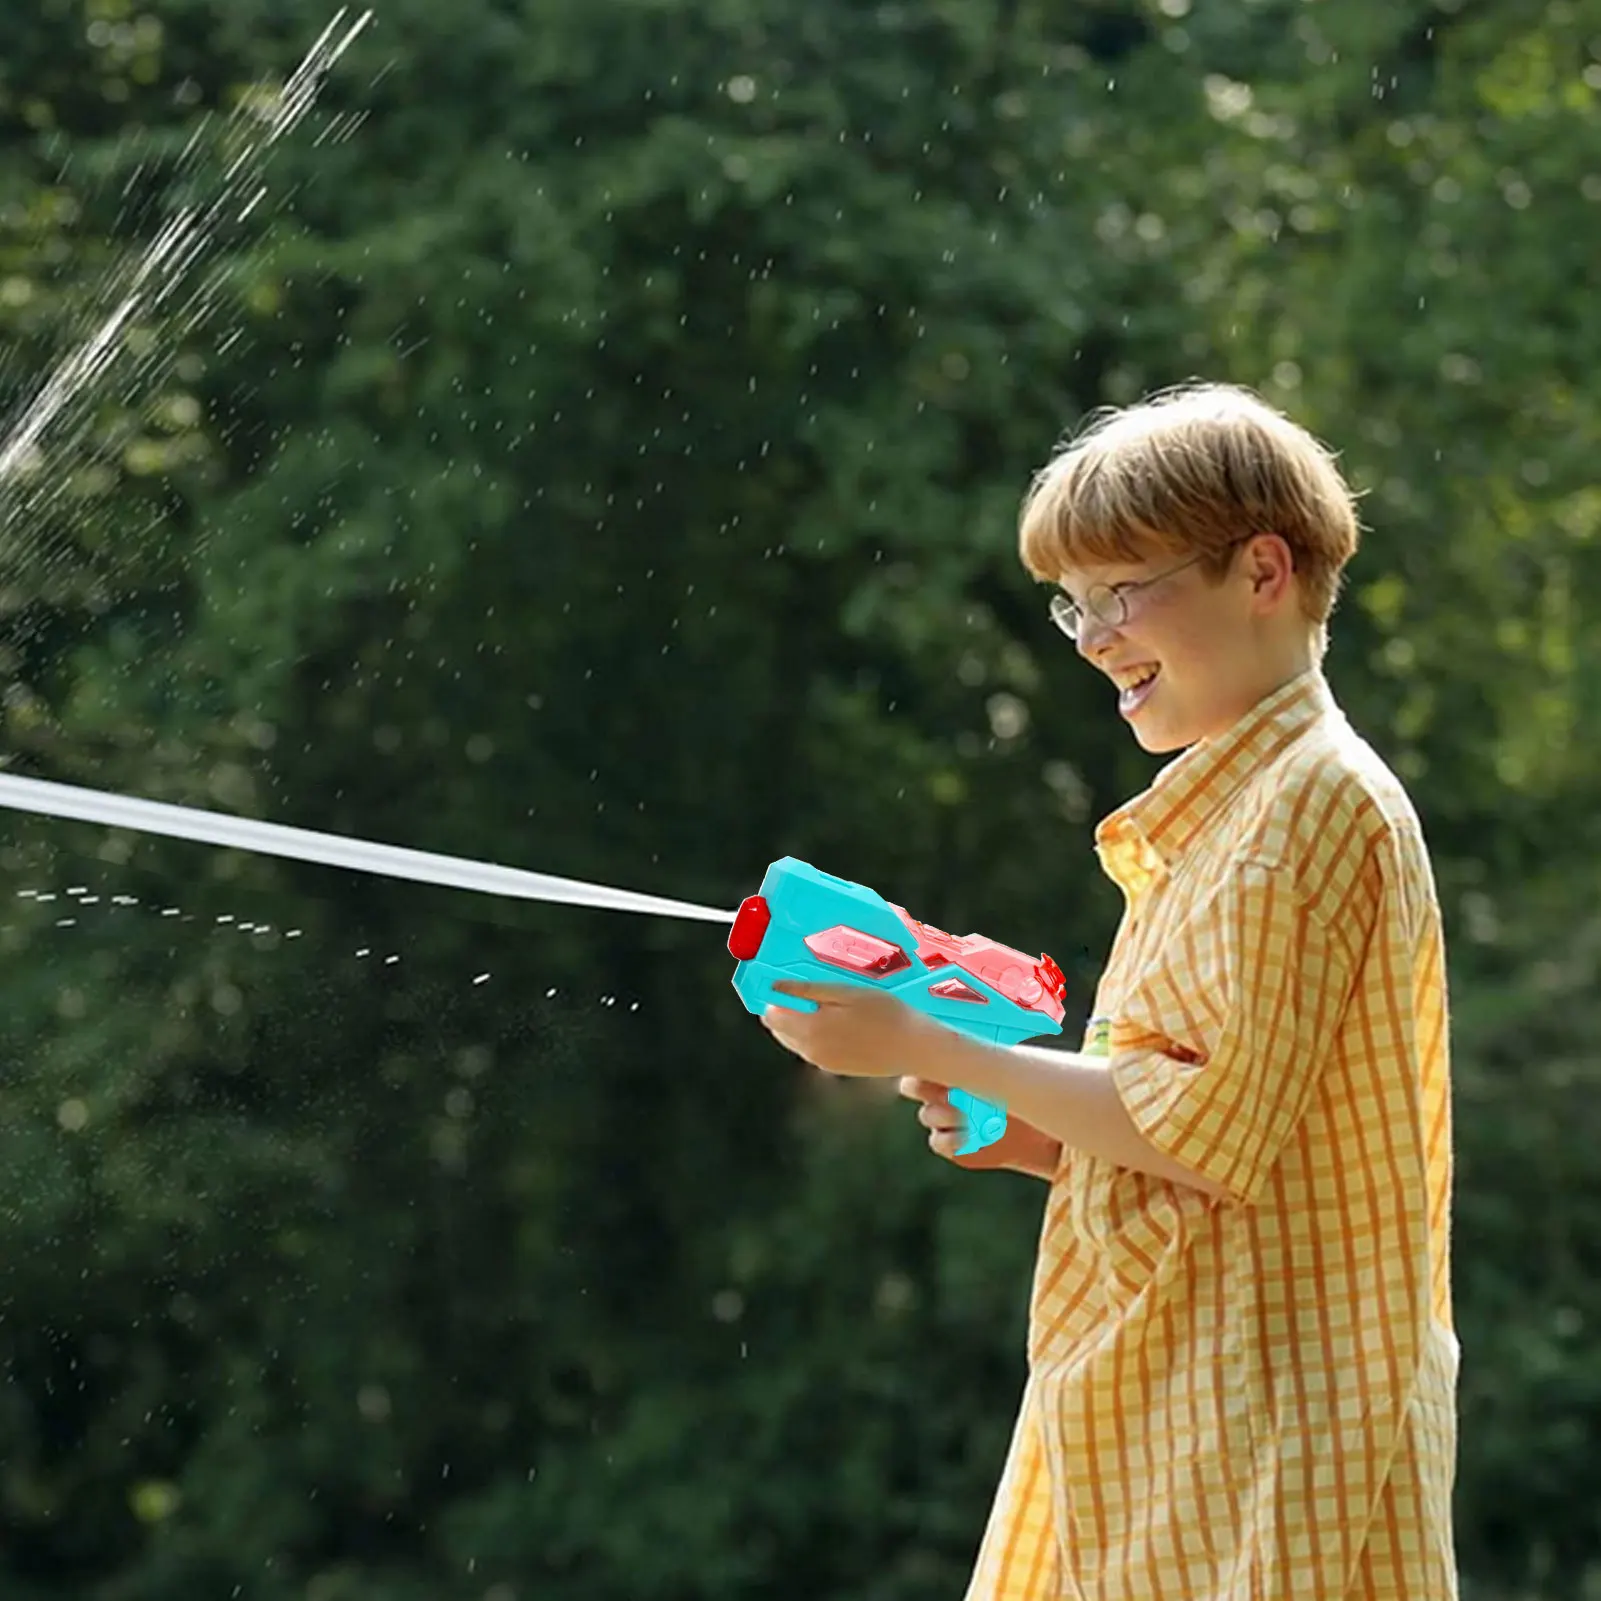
(750, 928)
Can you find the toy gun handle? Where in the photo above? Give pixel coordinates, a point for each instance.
(986, 1120)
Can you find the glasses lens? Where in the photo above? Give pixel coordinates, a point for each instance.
(1065, 615)
(1107, 606)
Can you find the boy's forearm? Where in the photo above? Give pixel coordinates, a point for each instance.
(1067, 1096)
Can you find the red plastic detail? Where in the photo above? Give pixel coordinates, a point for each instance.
(1052, 978)
(861, 953)
(750, 928)
(953, 989)
(1037, 985)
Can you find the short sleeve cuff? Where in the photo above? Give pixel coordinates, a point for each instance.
(1159, 1092)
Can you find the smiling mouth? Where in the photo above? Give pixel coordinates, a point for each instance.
(1134, 693)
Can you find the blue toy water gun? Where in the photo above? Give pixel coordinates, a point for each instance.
(808, 925)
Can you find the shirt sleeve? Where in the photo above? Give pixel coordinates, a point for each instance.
(1266, 971)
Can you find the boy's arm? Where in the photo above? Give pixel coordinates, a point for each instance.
(1067, 1096)
(1214, 1113)
(1213, 1058)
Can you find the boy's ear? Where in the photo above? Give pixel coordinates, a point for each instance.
(1270, 565)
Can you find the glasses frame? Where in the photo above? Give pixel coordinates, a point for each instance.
(1108, 603)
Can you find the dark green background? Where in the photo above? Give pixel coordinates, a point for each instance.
(605, 460)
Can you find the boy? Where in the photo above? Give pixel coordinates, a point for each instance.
(1242, 1362)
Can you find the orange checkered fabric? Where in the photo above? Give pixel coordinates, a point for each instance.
(1253, 1398)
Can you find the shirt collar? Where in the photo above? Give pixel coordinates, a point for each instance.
(1152, 831)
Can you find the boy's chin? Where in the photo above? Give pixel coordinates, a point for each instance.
(1159, 738)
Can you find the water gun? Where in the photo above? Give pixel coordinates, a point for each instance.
(809, 925)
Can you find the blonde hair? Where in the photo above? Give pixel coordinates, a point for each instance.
(1194, 470)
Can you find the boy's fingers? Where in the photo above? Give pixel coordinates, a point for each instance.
(922, 1089)
(943, 1118)
(821, 993)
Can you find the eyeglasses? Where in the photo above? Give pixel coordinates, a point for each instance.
(1106, 603)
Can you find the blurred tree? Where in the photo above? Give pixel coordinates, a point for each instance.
(605, 458)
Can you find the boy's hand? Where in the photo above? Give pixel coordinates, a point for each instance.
(860, 1033)
(855, 1031)
(1021, 1149)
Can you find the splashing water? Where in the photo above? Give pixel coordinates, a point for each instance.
(332, 850)
(166, 278)
(78, 907)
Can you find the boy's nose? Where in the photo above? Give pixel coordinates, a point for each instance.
(1093, 636)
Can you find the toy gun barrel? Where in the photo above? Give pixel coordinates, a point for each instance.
(808, 925)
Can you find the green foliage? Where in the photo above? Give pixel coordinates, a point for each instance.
(605, 458)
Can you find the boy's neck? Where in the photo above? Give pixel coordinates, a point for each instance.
(1293, 659)
(1291, 654)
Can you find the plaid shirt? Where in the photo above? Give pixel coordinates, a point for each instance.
(1252, 1398)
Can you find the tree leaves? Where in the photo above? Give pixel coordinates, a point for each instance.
(605, 457)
